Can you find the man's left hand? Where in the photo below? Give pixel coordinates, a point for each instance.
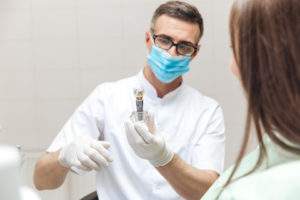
(147, 145)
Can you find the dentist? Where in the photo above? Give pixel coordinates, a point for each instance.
(184, 151)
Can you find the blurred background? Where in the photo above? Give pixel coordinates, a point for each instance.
(53, 53)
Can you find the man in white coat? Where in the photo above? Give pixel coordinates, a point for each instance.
(181, 157)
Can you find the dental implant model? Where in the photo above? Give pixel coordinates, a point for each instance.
(139, 102)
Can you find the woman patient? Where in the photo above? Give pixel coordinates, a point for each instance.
(265, 38)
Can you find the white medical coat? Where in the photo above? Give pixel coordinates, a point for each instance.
(191, 123)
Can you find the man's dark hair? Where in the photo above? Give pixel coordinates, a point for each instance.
(179, 10)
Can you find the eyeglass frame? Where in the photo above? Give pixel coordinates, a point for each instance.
(196, 47)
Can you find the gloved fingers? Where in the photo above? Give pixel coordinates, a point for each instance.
(142, 129)
(104, 144)
(82, 167)
(149, 117)
(86, 161)
(95, 156)
(132, 135)
(98, 147)
(150, 121)
(76, 163)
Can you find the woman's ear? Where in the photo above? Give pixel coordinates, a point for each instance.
(234, 67)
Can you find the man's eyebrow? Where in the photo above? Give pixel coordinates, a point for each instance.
(164, 35)
(178, 41)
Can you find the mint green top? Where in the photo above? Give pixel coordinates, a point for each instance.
(277, 179)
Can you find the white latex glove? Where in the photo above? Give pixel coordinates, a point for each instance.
(146, 145)
(86, 154)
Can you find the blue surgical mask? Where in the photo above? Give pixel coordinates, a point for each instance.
(165, 67)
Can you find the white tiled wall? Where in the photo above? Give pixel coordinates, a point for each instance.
(54, 52)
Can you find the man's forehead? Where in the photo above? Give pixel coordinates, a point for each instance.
(177, 29)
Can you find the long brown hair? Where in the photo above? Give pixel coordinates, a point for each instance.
(265, 36)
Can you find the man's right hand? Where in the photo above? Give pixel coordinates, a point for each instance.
(86, 154)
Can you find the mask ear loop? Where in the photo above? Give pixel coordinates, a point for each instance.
(152, 39)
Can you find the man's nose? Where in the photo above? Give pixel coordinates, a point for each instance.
(173, 51)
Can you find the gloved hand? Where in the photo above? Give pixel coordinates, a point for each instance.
(86, 154)
(147, 145)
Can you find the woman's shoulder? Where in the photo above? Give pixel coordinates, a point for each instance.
(278, 182)
(247, 163)
(275, 158)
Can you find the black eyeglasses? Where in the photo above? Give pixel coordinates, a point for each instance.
(183, 48)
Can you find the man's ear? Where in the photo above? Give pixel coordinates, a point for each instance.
(196, 53)
(148, 40)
